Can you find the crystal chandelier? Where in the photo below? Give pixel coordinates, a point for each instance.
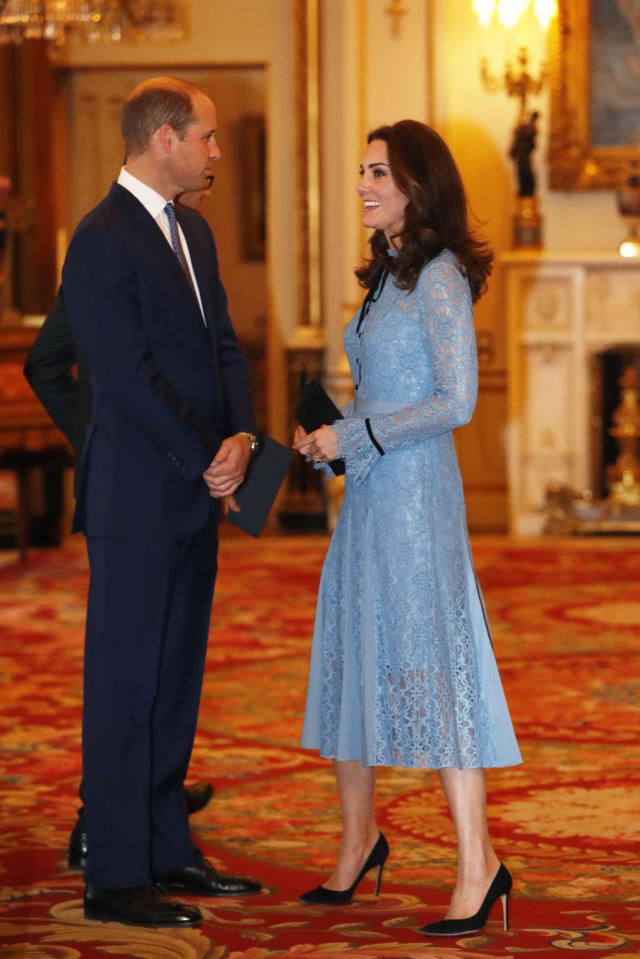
(92, 20)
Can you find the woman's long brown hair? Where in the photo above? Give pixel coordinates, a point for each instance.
(436, 215)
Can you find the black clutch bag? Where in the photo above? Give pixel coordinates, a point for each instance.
(263, 479)
(316, 409)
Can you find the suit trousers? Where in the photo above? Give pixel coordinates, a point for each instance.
(148, 618)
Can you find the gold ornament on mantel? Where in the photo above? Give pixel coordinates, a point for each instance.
(396, 10)
(624, 476)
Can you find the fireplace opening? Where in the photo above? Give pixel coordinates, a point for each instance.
(615, 419)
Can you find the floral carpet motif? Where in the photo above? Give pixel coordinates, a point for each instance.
(566, 628)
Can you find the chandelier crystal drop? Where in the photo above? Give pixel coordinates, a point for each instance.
(92, 20)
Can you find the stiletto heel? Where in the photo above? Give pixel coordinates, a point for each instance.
(500, 888)
(505, 911)
(379, 878)
(321, 896)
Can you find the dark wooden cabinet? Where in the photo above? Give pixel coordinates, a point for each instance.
(30, 443)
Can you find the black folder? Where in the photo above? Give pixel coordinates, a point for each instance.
(316, 409)
(263, 479)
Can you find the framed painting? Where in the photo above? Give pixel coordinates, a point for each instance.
(253, 194)
(594, 141)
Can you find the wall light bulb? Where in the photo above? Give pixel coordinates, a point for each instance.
(545, 11)
(510, 11)
(629, 249)
(484, 10)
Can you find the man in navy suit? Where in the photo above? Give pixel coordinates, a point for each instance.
(49, 368)
(170, 437)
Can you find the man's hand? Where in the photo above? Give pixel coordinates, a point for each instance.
(229, 504)
(321, 444)
(226, 472)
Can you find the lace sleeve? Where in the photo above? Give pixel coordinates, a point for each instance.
(446, 310)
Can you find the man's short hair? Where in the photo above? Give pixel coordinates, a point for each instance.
(150, 105)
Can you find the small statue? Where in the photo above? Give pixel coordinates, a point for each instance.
(524, 141)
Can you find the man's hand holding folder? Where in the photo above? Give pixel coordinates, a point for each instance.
(255, 497)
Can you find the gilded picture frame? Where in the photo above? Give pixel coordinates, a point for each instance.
(594, 138)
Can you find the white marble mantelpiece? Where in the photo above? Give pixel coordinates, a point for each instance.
(561, 308)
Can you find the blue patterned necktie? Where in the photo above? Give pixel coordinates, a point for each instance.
(176, 244)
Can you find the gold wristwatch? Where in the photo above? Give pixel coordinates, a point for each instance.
(254, 442)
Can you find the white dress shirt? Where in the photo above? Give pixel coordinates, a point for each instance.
(154, 204)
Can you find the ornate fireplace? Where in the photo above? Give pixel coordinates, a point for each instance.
(573, 321)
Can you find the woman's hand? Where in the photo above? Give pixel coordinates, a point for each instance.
(320, 445)
(326, 444)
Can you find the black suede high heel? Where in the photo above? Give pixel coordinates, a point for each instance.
(499, 889)
(321, 896)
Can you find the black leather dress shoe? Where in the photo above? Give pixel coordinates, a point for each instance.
(78, 847)
(139, 906)
(197, 797)
(202, 878)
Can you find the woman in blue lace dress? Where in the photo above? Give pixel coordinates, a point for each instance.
(402, 668)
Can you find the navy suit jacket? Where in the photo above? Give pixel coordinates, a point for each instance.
(166, 387)
(49, 370)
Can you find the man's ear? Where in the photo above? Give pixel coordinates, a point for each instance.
(165, 137)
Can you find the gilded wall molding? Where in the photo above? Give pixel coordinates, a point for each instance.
(303, 505)
(363, 125)
(307, 78)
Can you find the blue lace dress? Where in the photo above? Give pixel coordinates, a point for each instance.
(402, 667)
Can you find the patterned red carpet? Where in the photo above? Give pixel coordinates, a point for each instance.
(566, 618)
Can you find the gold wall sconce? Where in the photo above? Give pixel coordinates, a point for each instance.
(515, 19)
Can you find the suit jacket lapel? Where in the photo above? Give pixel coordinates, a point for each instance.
(201, 266)
(157, 243)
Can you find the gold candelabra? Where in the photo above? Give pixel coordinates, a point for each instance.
(516, 81)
